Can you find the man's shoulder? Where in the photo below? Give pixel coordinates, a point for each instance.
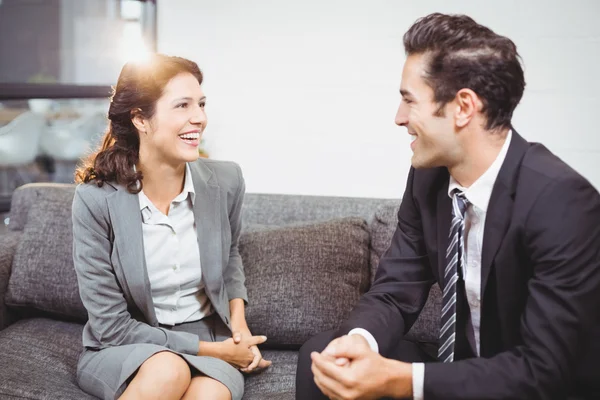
(541, 167)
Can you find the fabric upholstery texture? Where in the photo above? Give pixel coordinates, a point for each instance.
(48, 350)
(39, 360)
(8, 246)
(304, 279)
(278, 382)
(43, 276)
(27, 195)
(280, 209)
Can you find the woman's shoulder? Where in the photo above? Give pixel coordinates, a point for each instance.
(227, 173)
(92, 194)
(93, 189)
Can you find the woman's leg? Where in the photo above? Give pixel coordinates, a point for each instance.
(203, 387)
(163, 376)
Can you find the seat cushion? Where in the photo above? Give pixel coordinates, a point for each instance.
(43, 275)
(304, 279)
(278, 382)
(39, 360)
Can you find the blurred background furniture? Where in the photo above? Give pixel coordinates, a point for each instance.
(19, 144)
(66, 142)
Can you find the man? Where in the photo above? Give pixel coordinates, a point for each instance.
(509, 232)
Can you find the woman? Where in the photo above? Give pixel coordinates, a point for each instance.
(156, 234)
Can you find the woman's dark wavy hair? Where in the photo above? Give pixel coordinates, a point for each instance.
(139, 87)
(463, 54)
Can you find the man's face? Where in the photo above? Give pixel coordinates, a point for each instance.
(435, 140)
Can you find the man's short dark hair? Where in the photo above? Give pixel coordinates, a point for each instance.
(461, 53)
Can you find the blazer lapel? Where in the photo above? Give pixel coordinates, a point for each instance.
(207, 215)
(496, 224)
(126, 218)
(500, 207)
(444, 218)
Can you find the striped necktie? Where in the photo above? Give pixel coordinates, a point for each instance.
(455, 256)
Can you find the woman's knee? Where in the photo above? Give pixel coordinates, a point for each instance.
(166, 368)
(206, 387)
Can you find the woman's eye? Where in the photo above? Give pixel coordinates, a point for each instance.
(182, 105)
(202, 105)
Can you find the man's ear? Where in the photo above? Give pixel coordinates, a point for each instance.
(468, 105)
(138, 120)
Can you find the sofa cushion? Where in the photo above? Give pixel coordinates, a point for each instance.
(8, 244)
(304, 279)
(278, 382)
(43, 276)
(383, 226)
(39, 360)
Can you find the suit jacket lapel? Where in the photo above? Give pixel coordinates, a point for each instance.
(126, 218)
(207, 215)
(444, 218)
(496, 224)
(500, 206)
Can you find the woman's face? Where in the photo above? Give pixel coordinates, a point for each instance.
(173, 134)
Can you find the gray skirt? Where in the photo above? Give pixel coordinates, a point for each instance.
(105, 373)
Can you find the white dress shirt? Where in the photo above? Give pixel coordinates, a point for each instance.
(478, 194)
(173, 258)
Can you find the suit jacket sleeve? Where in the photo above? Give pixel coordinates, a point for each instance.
(233, 275)
(402, 282)
(562, 241)
(110, 321)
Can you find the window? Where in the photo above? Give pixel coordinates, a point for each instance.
(70, 48)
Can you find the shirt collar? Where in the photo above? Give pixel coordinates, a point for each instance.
(188, 190)
(480, 191)
(188, 186)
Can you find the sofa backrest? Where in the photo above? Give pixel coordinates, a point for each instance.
(281, 209)
(258, 209)
(47, 207)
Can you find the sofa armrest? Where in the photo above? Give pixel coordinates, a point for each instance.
(8, 246)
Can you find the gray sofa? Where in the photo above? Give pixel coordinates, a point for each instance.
(307, 261)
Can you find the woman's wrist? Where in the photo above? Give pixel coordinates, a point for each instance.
(239, 324)
(210, 349)
(238, 315)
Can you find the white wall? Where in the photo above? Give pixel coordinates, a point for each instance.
(303, 94)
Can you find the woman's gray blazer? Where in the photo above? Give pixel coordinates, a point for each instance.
(110, 264)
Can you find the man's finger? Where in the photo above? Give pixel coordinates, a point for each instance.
(349, 347)
(331, 370)
(330, 387)
(342, 361)
(331, 347)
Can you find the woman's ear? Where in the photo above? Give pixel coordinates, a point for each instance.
(139, 121)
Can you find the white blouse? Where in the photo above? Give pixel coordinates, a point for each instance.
(173, 258)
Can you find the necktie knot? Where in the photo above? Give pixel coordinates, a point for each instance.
(460, 204)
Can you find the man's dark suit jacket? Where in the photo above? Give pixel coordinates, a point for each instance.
(540, 281)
